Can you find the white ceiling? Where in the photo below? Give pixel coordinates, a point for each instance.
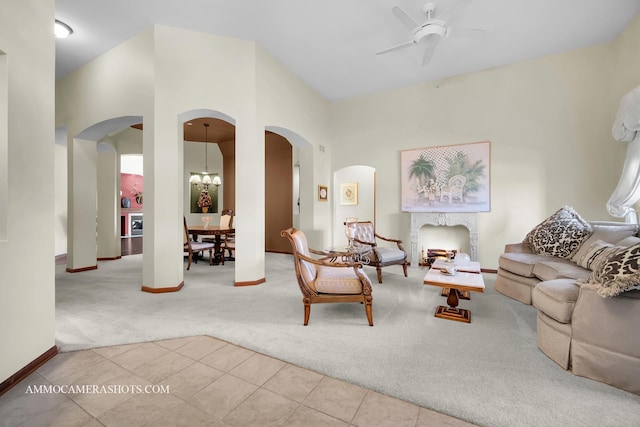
(330, 44)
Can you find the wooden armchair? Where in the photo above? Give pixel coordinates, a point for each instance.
(380, 256)
(323, 281)
(191, 247)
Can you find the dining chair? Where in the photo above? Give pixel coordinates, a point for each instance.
(226, 221)
(192, 247)
(380, 256)
(322, 280)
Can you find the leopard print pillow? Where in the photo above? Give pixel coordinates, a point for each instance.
(618, 274)
(559, 235)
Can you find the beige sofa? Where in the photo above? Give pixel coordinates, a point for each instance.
(582, 331)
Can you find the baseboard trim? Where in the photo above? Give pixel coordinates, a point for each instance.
(162, 290)
(78, 270)
(251, 283)
(110, 258)
(489, 270)
(23, 373)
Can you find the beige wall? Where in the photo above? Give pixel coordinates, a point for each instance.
(626, 62)
(288, 106)
(27, 289)
(235, 79)
(60, 224)
(548, 120)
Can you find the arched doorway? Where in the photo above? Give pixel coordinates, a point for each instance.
(278, 184)
(92, 230)
(289, 192)
(221, 134)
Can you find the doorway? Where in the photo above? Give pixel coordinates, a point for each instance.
(278, 191)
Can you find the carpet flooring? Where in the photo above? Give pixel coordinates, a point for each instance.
(489, 372)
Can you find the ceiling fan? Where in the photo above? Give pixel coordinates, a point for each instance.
(433, 30)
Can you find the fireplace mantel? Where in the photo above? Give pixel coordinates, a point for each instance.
(446, 219)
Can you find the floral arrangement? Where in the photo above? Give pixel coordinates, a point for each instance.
(204, 201)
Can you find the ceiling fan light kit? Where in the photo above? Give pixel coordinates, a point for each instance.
(431, 32)
(432, 27)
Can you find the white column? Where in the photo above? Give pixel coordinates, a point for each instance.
(81, 208)
(162, 267)
(249, 219)
(109, 246)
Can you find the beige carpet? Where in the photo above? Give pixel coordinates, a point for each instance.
(489, 372)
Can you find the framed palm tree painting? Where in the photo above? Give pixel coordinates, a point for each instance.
(451, 178)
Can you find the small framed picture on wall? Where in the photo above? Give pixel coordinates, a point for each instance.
(349, 193)
(323, 193)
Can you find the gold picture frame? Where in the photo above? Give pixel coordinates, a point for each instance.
(349, 193)
(323, 193)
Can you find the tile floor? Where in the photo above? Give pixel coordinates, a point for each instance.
(210, 383)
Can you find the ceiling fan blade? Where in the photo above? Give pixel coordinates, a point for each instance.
(398, 47)
(406, 20)
(463, 32)
(453, 9)
(429, 43)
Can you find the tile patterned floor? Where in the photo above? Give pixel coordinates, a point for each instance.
(210, 383)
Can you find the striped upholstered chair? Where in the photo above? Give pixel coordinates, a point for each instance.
(380, 256)
(191, 247)
(324, 280)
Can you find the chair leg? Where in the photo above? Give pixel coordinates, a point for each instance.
(307, 311)
(189, 261)
(210, 257)
(368, 308)
(404, 267)
(379, 271)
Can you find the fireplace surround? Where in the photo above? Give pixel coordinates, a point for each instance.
(444, 219)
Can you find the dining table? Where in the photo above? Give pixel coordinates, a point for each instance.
(212, 230)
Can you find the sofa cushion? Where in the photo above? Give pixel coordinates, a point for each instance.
(609, 232)
(389, 254)
(612, 232)
(594, 252)
(520, 263)
(559, 235)
(628, 241)
(618, 274)
(559, 268)
(556, 298)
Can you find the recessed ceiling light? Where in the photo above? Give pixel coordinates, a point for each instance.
(61, 30)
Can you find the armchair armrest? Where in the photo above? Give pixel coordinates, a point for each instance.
(387, 239)
(326, 260)
(396, 241)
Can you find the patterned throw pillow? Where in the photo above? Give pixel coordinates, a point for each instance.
(559, 235)
(618, 274)
(592, 254)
